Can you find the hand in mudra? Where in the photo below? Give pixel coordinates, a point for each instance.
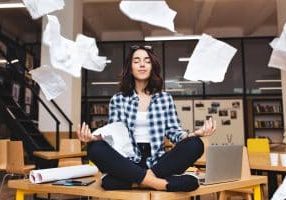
(207, 129)
(84, 133)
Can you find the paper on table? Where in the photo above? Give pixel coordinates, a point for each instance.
(209, 60)
(49, 81)
(278, 56)
(280, 193)
(116, 135)
(54, 174)
(38, 8)
(155, 12)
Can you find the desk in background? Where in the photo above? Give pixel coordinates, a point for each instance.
(52, 155)
(95, 190)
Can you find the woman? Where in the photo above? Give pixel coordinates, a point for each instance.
(149, 115)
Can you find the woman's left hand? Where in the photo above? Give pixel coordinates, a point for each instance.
(207, 129)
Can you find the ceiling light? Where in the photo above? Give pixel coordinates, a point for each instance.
(270, 88)
(174, 37)
(14, 61)
(12, 5)
(183, 59)
(268, 81)
(104, 83)
(3, 61)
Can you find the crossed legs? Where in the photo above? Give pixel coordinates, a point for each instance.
(122, 173)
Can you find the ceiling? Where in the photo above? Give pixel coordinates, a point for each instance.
(103, 20)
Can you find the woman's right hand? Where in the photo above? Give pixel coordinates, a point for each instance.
(84, 133)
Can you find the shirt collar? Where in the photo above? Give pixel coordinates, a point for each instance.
(134, 96)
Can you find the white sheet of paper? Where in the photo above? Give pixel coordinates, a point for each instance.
(54, 174)
(49, 81)
(209, 60)
(278, 56)
(116, 135)
(70, 56)
(63, 52)
(280, 193)
(88, 52)
(38, 8)
(153, 12)
(278, 59)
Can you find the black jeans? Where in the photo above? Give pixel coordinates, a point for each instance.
(122, 170)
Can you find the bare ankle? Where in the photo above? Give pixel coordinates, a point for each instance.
(150, 180)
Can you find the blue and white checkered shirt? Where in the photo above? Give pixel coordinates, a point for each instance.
(162, 120)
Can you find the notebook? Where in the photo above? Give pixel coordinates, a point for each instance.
(223, 164)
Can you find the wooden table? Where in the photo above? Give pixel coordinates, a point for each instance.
(53, 155)
(94, 190)
(261, 161)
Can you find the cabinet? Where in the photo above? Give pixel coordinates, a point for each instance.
(98, 114)
(268, 119)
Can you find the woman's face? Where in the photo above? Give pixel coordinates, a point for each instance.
(141, 65)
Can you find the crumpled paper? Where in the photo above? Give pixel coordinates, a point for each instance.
(209, 60)
(116, 135)
(156, 13)
(39, 8)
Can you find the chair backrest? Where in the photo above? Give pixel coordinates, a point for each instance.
(15, 157)
(3, 153)
(70, 145)
(258, 145)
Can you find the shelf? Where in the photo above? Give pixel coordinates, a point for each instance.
(269, 113)
(269, 128)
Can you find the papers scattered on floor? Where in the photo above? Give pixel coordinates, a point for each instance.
(54, 174)
(38, 8)
(278, 56)
(210, 60)
(154, 12)
(116, 135)
(49, 81)
(70, 56)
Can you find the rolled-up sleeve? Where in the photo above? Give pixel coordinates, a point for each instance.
(174, 130)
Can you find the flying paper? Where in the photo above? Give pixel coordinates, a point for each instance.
(116, 135)
(38, 8)
(209, 60)
(70, 56)
(88, 52)
(156, 13)
(278, 56)
(50, 82)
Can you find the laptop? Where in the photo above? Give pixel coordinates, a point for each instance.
(223, 164)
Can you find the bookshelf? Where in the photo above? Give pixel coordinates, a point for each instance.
(268, 119)
(98, 114)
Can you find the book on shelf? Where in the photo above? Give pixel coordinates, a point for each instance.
(266, 108)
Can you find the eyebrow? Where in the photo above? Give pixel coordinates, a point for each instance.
(137, 58)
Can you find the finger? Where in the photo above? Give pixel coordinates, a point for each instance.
(82, 129)
(85, 132)
(78, 131)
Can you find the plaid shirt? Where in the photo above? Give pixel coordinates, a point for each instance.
(162, 120)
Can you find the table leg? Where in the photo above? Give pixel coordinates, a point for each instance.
(257, 192)
(20, 195)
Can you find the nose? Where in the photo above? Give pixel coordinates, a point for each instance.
(142, 63)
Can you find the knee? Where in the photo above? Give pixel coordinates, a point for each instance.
(196, 146)
(95, 148)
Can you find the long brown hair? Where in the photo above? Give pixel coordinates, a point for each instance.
(127, 83)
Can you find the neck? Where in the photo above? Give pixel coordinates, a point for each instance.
(139, 86)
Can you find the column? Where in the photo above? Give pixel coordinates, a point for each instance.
(281, 20)
(69, 101)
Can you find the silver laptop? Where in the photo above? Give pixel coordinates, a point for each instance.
(223, 164)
